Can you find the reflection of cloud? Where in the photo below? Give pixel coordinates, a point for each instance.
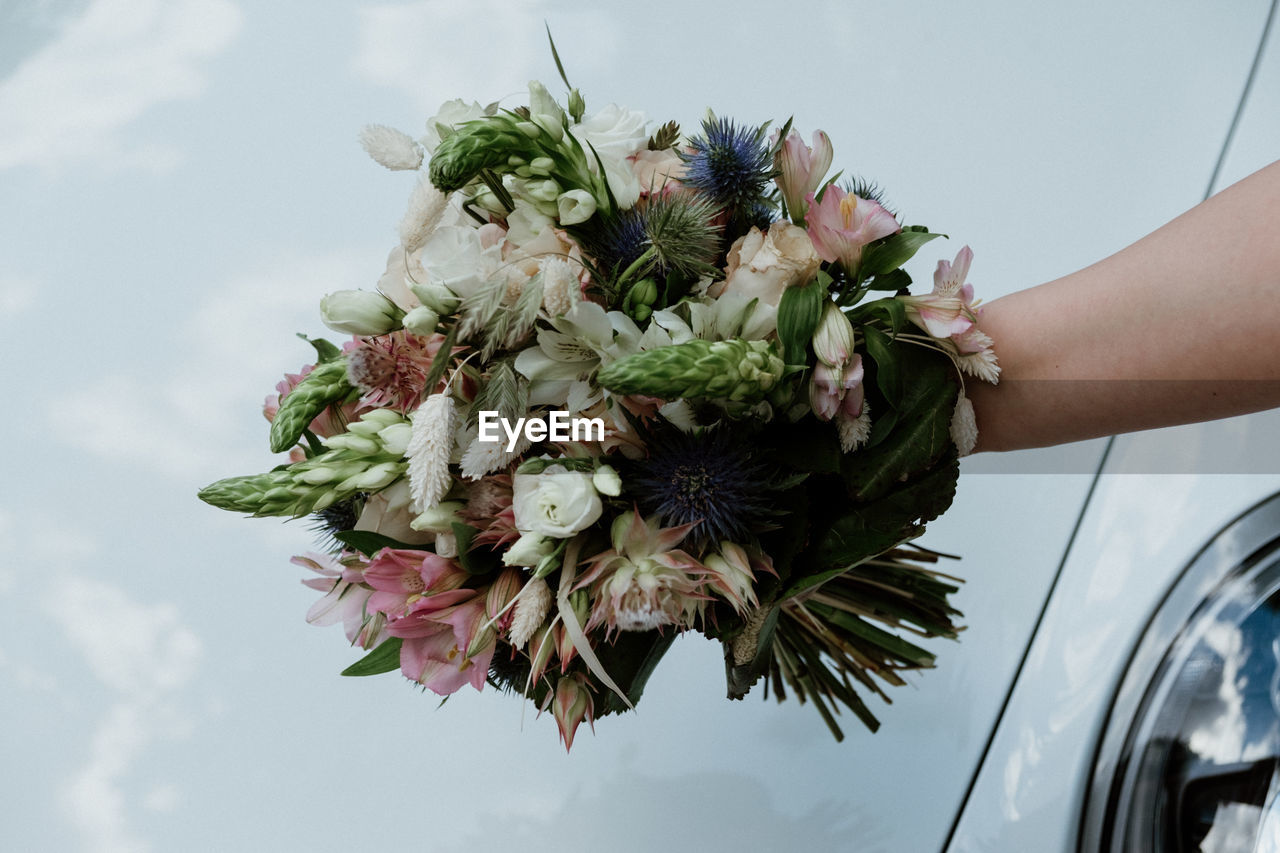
(237, 345)
(734, 813)
(1220, 735)
(429, 48)
(144, 653)
(16, 296)
(121, 57)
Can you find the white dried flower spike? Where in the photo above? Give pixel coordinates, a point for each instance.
(426, 208)
(854, 433)
(446, 545)
(560, 286)
(532, 607)
(391, 148)
(485, 457)
(964, 426)
(428, 451)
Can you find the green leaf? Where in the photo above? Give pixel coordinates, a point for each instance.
(556, 56)
(325, 351)
(922, 435)
(630, 660)
(481, 561)
(799, 313)
(369, 543)
(893, 280)
(890, 643)
(888, 310)
(889, 253)
(889, 377)
(384, 658)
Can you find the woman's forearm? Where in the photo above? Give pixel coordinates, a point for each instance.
(1182, 326)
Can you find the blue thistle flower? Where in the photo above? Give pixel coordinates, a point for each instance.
(335, 519)
(731, 165)
(711, 477)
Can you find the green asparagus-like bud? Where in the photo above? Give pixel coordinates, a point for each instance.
(735, 369)
(482, 144)
(322, 386)
(354, 463)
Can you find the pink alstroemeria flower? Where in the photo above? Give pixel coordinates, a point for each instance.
(403, 578)
(435, 645)
(801, 170)
(842, 223)
(947, 312)
(837, 390)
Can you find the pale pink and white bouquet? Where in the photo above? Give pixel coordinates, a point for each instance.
(620, 382)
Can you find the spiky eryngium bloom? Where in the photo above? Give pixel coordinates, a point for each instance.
(678, 231)
(367, 458)
(708, 478)
(731, 165)
(335, 519)
(738, 370)
(644, 582)
(309, 398)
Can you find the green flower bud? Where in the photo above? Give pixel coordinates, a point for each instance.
(321, 387)
(439, 519)
(738, 370)
(395, 438)
(360, 312)
(437, 297)
(422, 321)
(833, 339)
(577, 106)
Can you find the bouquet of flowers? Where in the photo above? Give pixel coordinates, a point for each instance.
(619, 383)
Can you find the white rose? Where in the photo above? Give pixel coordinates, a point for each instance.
(761, 266)
(456, 258)
(555, 503)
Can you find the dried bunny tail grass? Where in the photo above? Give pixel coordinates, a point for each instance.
(428, 451)
(532, 606)
(426, 208)
(485, 457)
(391, 148)
(856, 431)
(964, 426)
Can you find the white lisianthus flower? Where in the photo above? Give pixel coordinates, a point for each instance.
(575, 206)
(526, 223)
(360, 312)
(555, 503)
(450, 115)
(528, 550)
(456, 258)
(606, 481)
(615, 133)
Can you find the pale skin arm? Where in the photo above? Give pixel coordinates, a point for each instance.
(1182, 326)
